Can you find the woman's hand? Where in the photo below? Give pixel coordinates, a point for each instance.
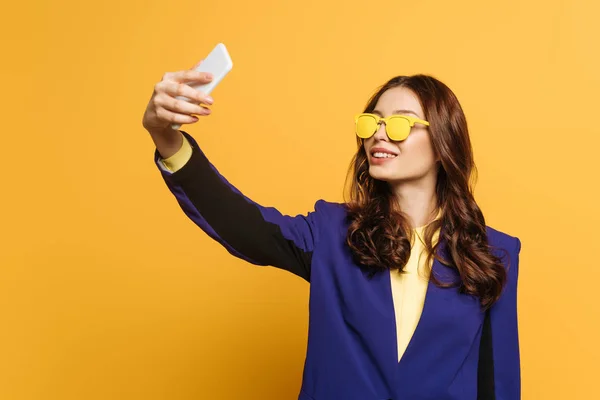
(165, 109)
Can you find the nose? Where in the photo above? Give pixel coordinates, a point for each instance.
(380, 133)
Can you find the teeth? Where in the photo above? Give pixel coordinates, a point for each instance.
(383, 155)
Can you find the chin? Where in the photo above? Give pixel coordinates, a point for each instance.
(384, 174)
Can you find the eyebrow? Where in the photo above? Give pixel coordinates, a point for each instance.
(398, 112)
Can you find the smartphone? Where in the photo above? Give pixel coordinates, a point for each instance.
(218, 63)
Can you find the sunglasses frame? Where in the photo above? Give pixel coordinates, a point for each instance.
(411, 122)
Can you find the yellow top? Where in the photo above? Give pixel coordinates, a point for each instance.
(408, 288)
(179, 159)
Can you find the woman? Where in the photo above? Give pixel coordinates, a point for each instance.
(412, 295)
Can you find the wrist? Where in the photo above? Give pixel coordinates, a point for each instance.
(167, 141)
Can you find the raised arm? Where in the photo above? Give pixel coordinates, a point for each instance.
(260, 235)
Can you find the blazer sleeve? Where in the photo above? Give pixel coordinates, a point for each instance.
(503, 326)
(258, 234)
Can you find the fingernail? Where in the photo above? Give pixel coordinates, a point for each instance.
(209, 99)
(209, 75)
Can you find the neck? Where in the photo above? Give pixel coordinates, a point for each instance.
(418, 200)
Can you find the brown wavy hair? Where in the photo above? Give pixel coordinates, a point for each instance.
(379, 234)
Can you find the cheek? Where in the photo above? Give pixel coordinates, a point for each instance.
(418, 149)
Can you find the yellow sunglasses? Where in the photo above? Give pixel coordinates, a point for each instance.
(397, 127)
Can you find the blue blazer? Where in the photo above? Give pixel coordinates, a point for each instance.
(457, 352)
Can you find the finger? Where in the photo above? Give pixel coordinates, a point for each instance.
(175, 89)
(202, 112)
(188, 76)
(178, 105)
(175, 118)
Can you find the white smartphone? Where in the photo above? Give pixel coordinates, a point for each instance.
(218, 63)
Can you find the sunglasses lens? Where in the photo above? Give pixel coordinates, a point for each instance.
(398, 128)
(366, 126)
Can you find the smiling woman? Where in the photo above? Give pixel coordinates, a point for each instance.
(385, 322)
(424, 176)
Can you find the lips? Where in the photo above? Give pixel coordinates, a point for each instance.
(381, 156)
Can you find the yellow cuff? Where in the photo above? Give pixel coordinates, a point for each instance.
(179, 159)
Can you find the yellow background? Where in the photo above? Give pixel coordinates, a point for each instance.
(107, 291)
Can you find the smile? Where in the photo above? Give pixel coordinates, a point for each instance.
(383, 155)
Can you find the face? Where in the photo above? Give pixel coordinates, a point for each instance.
(412, 158)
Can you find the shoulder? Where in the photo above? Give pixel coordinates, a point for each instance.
(505, 246)
(503, 240)
(330, 214)
(330, 207)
